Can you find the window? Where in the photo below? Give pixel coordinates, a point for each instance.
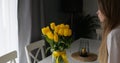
(8, 26)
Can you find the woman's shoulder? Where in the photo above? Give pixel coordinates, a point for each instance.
(115, 34)
(116, 31)
(114, 37)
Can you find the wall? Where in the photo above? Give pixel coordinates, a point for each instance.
(35, 34)
(52, 10)
(90, 6)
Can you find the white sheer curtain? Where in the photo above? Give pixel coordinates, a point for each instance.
(8, 26)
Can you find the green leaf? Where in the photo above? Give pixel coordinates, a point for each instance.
(51, 42)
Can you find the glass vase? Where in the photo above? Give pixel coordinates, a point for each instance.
(59, 57)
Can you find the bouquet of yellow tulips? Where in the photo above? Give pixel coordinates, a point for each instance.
(58, 36)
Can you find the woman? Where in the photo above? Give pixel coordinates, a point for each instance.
(109, 15)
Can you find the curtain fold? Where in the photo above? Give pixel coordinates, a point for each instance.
(31, 19)
(24, 20)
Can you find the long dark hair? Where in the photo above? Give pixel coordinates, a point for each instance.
(111, 10)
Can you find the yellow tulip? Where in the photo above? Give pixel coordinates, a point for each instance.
(47, 29)
(52, 25)
(62, 25)
(70, 32)
(57, 28)
(67, 26)
(61, 32)
(55, 37)
(43, 31)
(50, 35)
(66, 32)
